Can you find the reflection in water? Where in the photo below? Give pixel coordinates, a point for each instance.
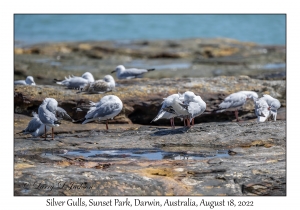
(150, 154)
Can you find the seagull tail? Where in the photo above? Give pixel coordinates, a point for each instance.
(160, 114)
(57, 81)
(87, 120)
(150, 69)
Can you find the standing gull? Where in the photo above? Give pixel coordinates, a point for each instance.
(237, 100)
(28, 81)
(100, 86)
(166, 111)
(74, 82)
(107, 108)
(35, 126)
(123, 73)
(47, 112)
(191, 107)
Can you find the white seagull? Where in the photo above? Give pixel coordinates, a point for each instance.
(28, 81)
(47, 114)
(237, 100)
(191, 107)
(100, 86)
(262, 110)
(274, 105)
(74, 82)
(123, 73)
(35, 126)
(166, 111)
(107, 108)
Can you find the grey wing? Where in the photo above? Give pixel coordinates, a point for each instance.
(77, 82)
(133, 72)
(20, 82)
(105, 109)
(33, 125)
(108, 108)
(46, 116)
(233, 101)
(62, 114)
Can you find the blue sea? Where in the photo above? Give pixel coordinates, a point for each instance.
(263, 29)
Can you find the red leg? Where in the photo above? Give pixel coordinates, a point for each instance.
(172, 123)
(106, 125)
(52, 133)
(188, 122)
(193, 122)
(236, 115)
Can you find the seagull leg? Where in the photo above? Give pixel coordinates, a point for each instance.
(45, 132)
(188, 122)
(193, 122)
(184, 121)
(52, 133)
(236, 115)
(172, 123)
(106, 125)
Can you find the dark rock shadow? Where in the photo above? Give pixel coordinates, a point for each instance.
(170, 131)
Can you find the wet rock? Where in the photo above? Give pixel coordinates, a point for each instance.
(42, 169)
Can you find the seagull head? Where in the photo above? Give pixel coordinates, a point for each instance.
(29, 80)
(119, 68)
(88, 76)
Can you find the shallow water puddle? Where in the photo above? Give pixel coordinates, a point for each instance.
(150, 154)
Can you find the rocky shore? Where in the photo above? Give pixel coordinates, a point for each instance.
(218, 156)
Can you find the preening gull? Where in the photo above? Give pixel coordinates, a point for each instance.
(28, 81)
(35, 126)
(123, 73)
(100, 86)
(166, 111)
(74, 82)
(274, 105)
(237, 100)
(107, 108)
(262, 110)
(47, 114)
(191, 106)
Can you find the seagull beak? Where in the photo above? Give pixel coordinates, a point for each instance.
(113, 71)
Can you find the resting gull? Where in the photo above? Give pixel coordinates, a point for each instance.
(100, 86)
(28, 81)
(123, 73)
(47, 114)
(237, 100)
(74, 82)
(107, 108)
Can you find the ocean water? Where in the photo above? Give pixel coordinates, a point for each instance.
(263, 29)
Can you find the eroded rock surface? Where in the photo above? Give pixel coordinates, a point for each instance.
(142, 97)
(252, 161)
